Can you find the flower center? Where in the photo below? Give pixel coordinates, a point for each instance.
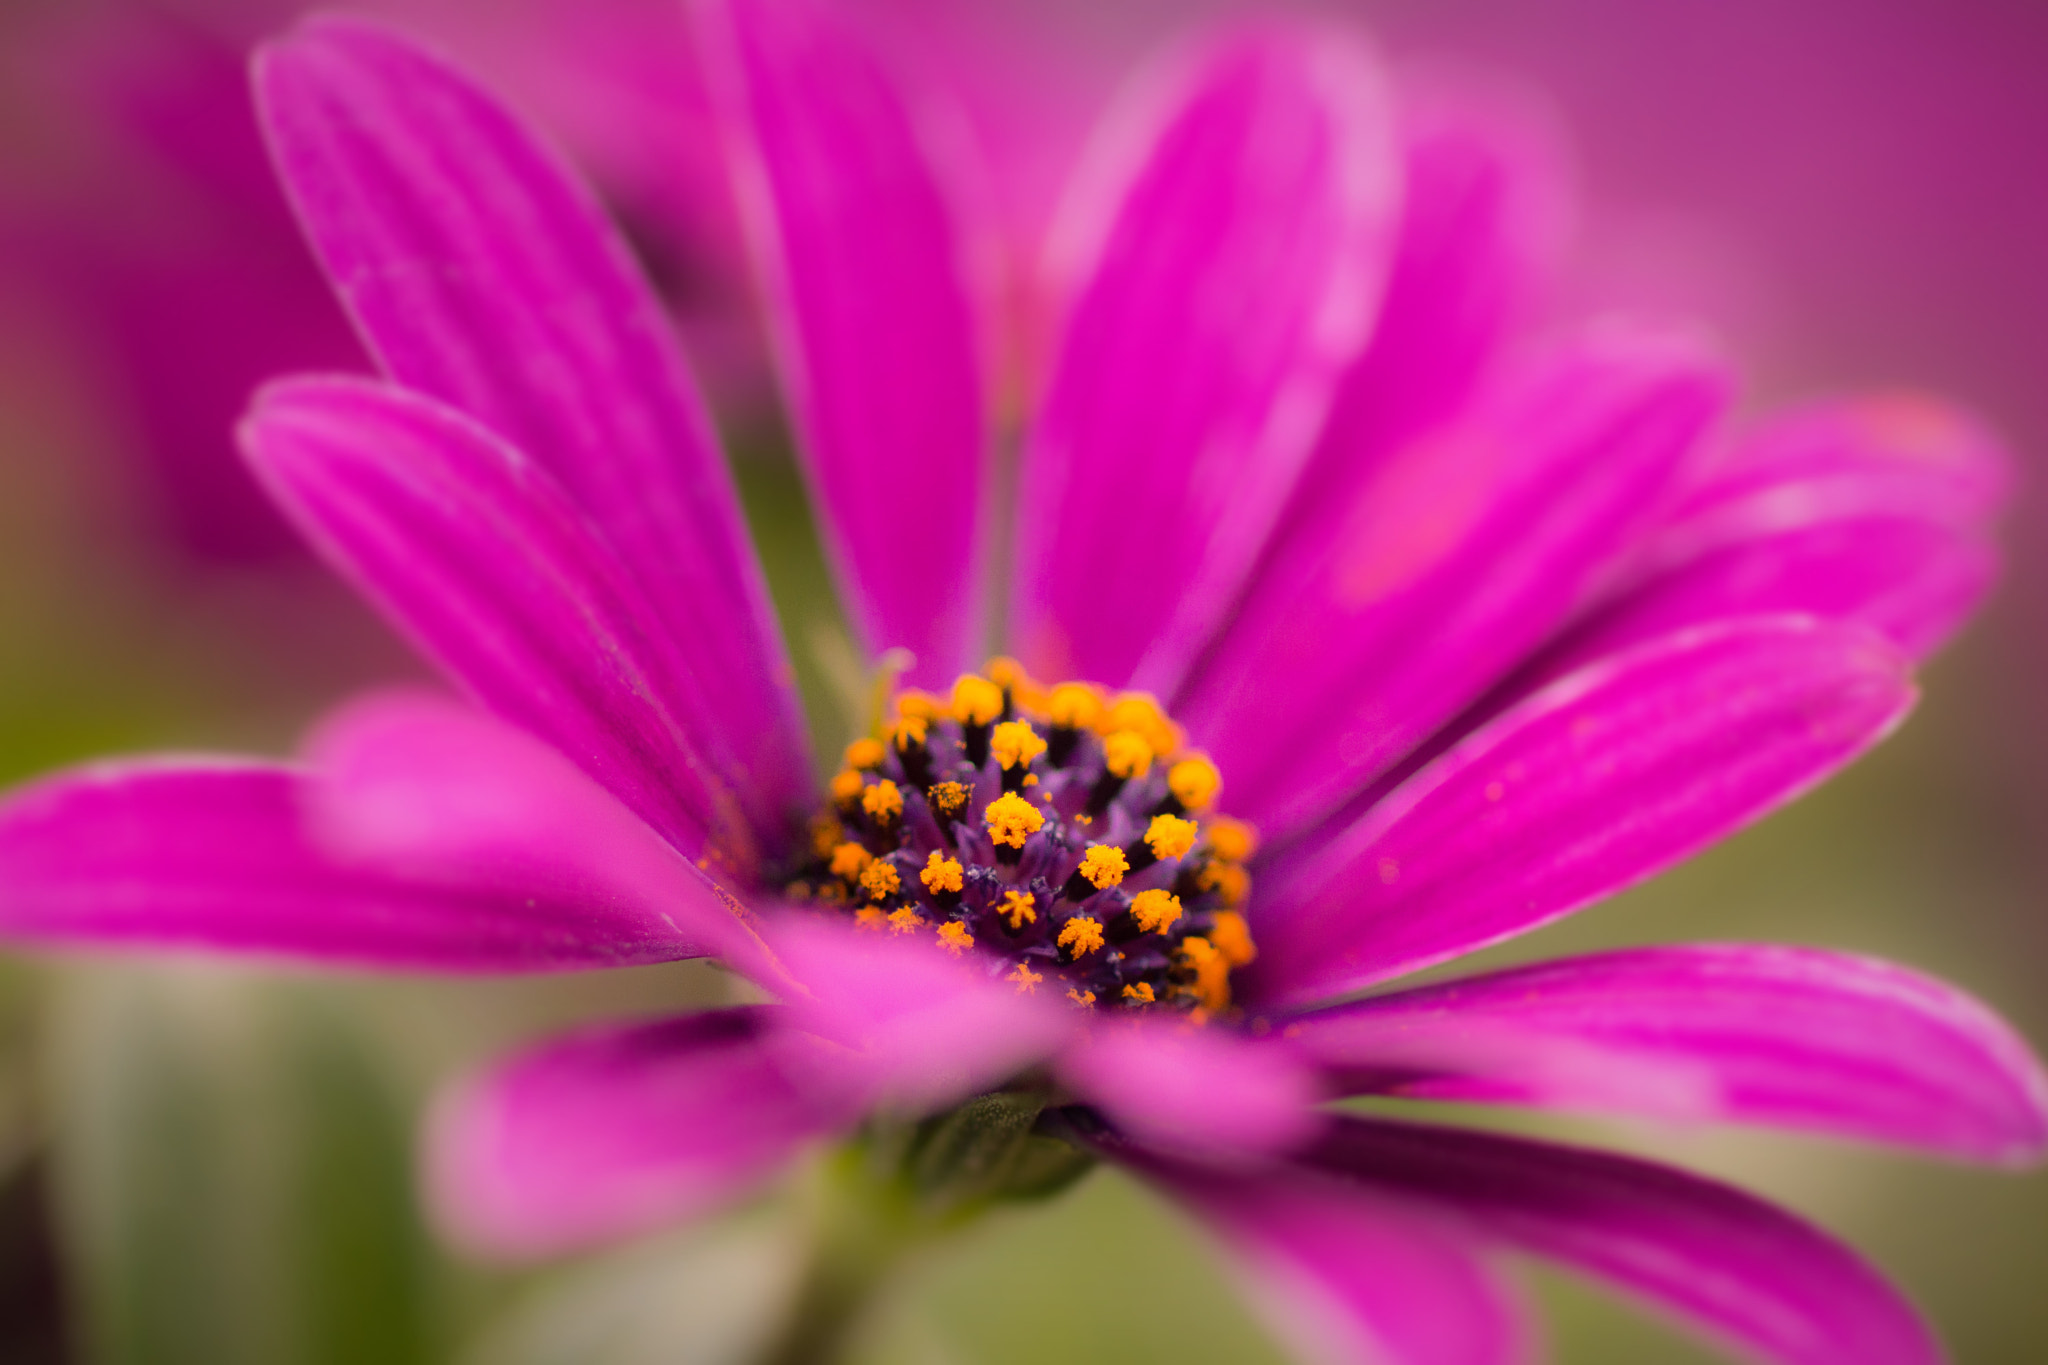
(1061, 834)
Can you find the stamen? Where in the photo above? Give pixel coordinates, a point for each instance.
(1103, 866)
(881, 881)
(865, 754)
(1232, 840)
(1140, 994)
(976, 701)
(883, 802)
(1081, 936)
(1015, 744)
(1232, 939)
(941, 875)
(1155, 910)
(1017, 905)
(1082, 998)
(1170, 836)
(845, 786)
(905, 920)
(850, 860)
(954, 938)
(1026, 979)
(1126, 754)
(948, 799)
(1012, 820)
(1194, 782)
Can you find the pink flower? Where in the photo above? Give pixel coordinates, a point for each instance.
(1475, 633)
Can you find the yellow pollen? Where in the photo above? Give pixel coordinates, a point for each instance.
(864, 753)
(1005, 672)
(1104, 866)
(1081, 934)
(948, 798)
(976, 700)
(905, 920)
(908, 732)
(1212, 972)
(849, 860)
(869, 919)
(881, 881)
(826, 833)
(1012, 819)
(914, 704)
(1154, 910)
(1232, 938)
(1140, 994)
(1082, 998)
(940, 874)
(1232, 840)
(1015, 742)
(845, 786)
(1170, 836)
(1026, 979)
(882, 801)
(1017, 905)
(954, 938)
(1194, 782)
(1075, 706)
(1230, 882)
(1126, 754)
(1140, 711)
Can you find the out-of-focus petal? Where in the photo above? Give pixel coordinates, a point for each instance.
(1730, 1264)
(217, 856)
(417, 784)
(1199, 1092)
(625, 1128)
(858, 235)
(1460, 554)
(478, 556)
(1344, 1275)
(1583, 789)
(1234, 233)
(481, 272)
(1784, 1036)
(921, 1027)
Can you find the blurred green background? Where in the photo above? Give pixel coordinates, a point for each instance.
(210, 1164)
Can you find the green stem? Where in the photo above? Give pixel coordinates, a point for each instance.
(865, 1227)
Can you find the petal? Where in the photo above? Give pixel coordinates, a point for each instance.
(622, 1129)
(216, 855)
(415, 783)
(1234, 232)
(921, 1028)
(476, 554)
(1462, 552)
(1738, 1033)
(1197, 1091)
(1731, 1264)
(1343, 1274)
(1589, 786)
(480, 272)
(858, 236)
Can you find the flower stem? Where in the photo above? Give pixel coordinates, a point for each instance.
(864, 1229)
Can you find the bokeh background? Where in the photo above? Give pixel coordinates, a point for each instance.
(210, 1164)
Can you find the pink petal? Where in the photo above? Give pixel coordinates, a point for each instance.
(1343, 1274)
(623, 1129)
(1784, 1036)
(922, 1028)
(215, 855)
(1730, 1264)
(1457, 557)
(481, 272)
(478, 556)
(416, 783)
(858, 233)
(1199, 1092)
(1234, 235)
(1587, 787)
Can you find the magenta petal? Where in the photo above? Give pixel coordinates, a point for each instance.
(857, 232)
(1463, 550)
(217, 856)
(1587, 787)
(426, 786)
(1729, 1263)
(1200, 1092)
(476, 554)
(1343, 1274)
(921, 1028)
(1785, 1036)
(1234, 237)
(626, 1128)
(480, 272)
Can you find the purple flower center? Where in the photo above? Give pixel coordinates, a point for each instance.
(1060, 834)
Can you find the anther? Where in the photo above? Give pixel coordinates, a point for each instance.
(941, 877)
(849, 860)
(1191, 785)
(1079, 937)
(1072, 708)
(845, 786)
(881, 881)
(1139, 711)
(883, 803)
(1140, 994)
(1026, 979)
(1155, 911)
(977, 704)
(1125, 755)
(865, 754)
(1011, 820)
(947, 799)
(954, 938)
(1017, 906)
(1232, 840)
(1015, 744)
